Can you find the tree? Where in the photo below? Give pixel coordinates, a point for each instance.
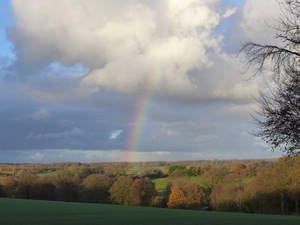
(215, 176)
(227, 197)
(127, 191)
(67, 186)
(44, 189)
(145, 189)
(271, 186)
(294, 188)
(177, 171)
(185, 194)
(166, 194)
(280, 110)
(27, 180)
(278, 117)
(177, 199)
(153, 173)
(10, 186)
(277, 57)
(123, 192)
(195, 195)
(239, 169)
(2, 191)
(194, 171)
(96, 188)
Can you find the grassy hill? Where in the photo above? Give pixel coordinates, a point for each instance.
(35, 212)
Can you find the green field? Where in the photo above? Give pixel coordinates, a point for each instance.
(161, 183)
(34, 212)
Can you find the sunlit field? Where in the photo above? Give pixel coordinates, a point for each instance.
(33, 212)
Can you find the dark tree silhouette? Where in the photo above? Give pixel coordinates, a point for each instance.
(278, 114)
(278, 58)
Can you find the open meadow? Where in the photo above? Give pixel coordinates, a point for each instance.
(35, 212)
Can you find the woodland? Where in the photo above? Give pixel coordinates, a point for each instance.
(268, 186)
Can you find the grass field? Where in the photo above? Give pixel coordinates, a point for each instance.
(161, 183)
(34, 212)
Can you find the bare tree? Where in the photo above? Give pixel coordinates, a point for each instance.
(278, 117)
(278, 57)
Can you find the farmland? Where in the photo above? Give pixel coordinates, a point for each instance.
(32, 212)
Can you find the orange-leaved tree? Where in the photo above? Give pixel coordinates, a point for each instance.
(177, 199)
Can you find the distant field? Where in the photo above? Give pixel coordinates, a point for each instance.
(161, 183)
(34, 212)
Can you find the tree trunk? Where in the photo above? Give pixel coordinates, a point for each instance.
(297, 206)
(282, 202)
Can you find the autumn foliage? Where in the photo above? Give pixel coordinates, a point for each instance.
(186, 195)
(250, 186)
(178, 199)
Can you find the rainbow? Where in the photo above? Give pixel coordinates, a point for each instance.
(139, 117)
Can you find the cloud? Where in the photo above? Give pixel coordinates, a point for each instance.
(205, 138)
(115, 133)
(172, 46)
(75, 131)
(82, 69)
(38, 156)
(256, 20)
(42, 114)
(66, 155)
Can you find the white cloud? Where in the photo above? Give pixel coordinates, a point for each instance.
(257, 20)
(171, 46)
(230, 12)
(115, 133)
(205, 138)
(38, 156)
(42, 114)
(168, 52)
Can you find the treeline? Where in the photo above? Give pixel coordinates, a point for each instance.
(251, 186)
(271, 189)
(78, 184)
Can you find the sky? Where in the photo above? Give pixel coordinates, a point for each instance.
(129, 80)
